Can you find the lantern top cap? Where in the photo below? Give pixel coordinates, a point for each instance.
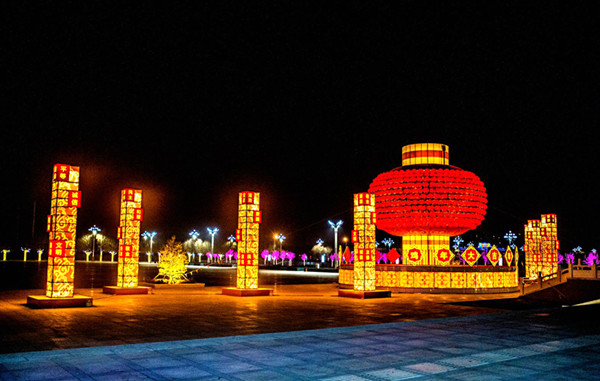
(425, 153)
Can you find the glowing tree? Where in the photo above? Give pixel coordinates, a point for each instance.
(62, 223)
(173, 262)
(128, 234)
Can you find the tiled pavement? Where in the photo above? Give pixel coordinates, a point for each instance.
(549, 344)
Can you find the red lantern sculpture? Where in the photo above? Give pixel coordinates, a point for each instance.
(426, 201)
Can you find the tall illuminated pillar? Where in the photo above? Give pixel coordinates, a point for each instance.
(61, 227)
(128, 233)
(247, 236)
(549, 244)
(541, 246)
(532, 249)
(363, 237)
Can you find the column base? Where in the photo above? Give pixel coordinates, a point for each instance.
(114, 290)
(42, 301)
(364, 294)
(232, 291)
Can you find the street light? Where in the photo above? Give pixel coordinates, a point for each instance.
(194, 234)
(149, 235)
(335, 227)
(95, 230)
(510, 237)
(212, 232)
(388, 242)
(280, 237)
(457, 241)
(25, 250)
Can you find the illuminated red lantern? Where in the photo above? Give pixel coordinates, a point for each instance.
(429, 200)
(426, 201)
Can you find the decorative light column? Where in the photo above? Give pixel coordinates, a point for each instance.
(61, 226)
(363, 237)
(247, 235)
(128, 233)
(541, 246)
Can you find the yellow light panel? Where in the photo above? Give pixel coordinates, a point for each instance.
(425, 153)
(424, 250)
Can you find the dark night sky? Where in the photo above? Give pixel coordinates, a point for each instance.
(305, 103)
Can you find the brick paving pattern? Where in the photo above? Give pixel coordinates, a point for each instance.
(464, 343)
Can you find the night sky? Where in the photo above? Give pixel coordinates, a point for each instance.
(304, 103)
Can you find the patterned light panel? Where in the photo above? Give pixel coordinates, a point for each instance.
(128, 233)
(363, 237)
(249, 218)
(61, 226)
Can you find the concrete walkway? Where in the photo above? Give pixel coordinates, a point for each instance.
(549, 344)
(303, 332)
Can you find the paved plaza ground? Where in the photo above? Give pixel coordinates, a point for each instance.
(303, 332)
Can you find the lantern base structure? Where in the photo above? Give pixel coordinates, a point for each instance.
(232, 291)
(114, 290)
(364, 294)
(439, 279)
(42, 301)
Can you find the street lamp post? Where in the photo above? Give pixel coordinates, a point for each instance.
(280, 237)
(194, 234)
(95, 230)
(25, 251)
(457, 241)
(335, 226)
(510, 237)
(231, 240)
(149, 235)
(212, 232)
